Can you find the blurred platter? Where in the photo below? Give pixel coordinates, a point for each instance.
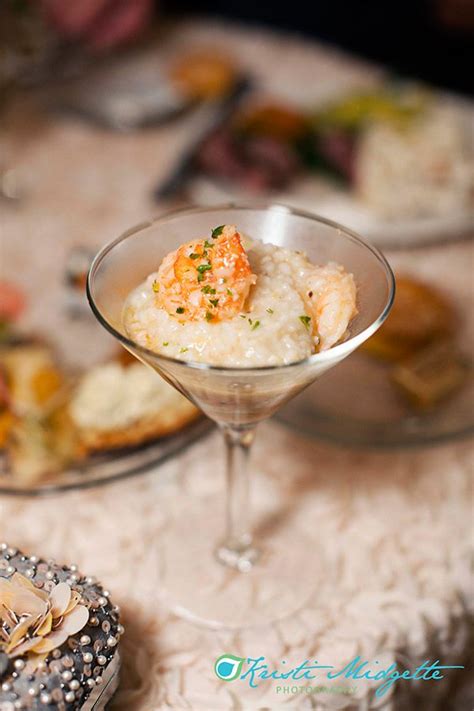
(65, 426)
(109, 467)
(412, 383)
(355, 405)
(399, 182)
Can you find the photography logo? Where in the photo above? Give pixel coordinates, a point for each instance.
(228, 667)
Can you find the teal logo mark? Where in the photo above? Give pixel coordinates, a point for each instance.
(228, 667)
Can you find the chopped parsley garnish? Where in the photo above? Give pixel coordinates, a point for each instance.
(255, 325)
(270, 311)
(243, 316)
(155, 286)
(180, 310)
(208, 289)
(214, 302)
(217, 231)
(200, 277)
(229, 291)
(209, 316)
(203, 268)
(305, 320)
(166, 343)
(195, 255)
(183, 350)
(208, 245)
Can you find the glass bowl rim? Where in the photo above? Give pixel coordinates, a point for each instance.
(321, 357)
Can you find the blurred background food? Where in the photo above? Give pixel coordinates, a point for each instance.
(112, 111)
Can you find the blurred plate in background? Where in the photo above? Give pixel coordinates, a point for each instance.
(356, 405)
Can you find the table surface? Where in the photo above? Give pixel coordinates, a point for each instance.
(395, 526)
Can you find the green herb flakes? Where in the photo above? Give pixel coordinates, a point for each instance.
(155, 286)
(208, 289)
(255, 325)
(305, 320)
(270, 311)
(217, 231)
(180, 310)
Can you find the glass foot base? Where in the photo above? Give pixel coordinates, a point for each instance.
(225, 589)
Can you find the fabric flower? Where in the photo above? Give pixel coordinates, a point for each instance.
(35, 622)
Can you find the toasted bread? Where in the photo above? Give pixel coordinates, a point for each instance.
(116, 406)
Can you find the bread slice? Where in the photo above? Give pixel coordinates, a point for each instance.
(115, 406)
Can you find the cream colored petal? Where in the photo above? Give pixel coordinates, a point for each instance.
(18, 632)
(18, 579)
(59, 598)
(7, 615)
(75, 598)
(45, 626)
(25, 646)
(76, 620)
(52, 641)
(22, 601)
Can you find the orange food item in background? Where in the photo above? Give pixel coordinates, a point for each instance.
(204, 74)
(12, 301)
(276, 120)
(420, 315)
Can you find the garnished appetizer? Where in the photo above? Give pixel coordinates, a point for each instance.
(227, 300)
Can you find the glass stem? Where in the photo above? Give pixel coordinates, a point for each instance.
(237, 550)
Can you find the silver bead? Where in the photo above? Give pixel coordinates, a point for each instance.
(70, 697)
(102, 601)
(85, 639)
(91, 683)
(12, 551)
(29, 572)
(32, 691)
(87, 657)
(74, 685)
(73, 568)
(19, 664)
(6, 686)
(116, 609)
(45, 698)
(49, 575)
(66, 675)
(3, 546)
(94, 621)
(18, 704)
(34, 559)
(91, 580)
(56, 654)
(120, 629)
(105, 593)
(10, 570)
(101, 659)
(73, 579)
(98, 680)
(111, 641)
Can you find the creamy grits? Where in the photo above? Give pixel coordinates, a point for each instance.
(214, 302)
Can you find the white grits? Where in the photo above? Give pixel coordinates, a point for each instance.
(269, 331)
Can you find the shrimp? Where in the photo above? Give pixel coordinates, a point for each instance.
(330, 299)
(205, 279)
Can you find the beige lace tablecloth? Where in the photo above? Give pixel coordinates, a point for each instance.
(396, 527)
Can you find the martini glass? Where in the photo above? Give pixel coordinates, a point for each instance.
(213, 568)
